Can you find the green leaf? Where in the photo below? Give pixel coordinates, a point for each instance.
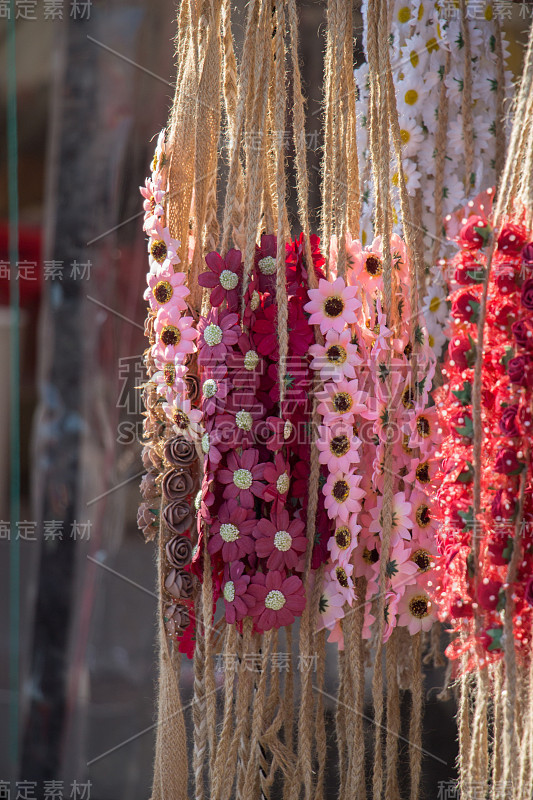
(509, 353)
(468, 519)
(464, 395)
(467, 476)
(484, 231)
(496, 636)
(477, 275)
(507, 551)
(502, 600)
(470, 355)
(467, 429)
(470, 565)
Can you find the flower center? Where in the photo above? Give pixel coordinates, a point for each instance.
(422, 560)
(434, 304)
(370, 556)
(229, 532)
(181, 420)
(210, 387)
(163, 291)
(283, 541)
(251, 360)
(170, 335)
(419, 606)
(229, 591)
(158, 250)
(283, 483)
(267, 265)
(343, 537)
(336, 354)
(342, 402)
(404, 14)
(287, 429)
(422, 515)
(423, 427)
(408, 350)
(342, 577)
(422, 472)
(373, 266)
(340, 491)
(242, 478)
(275, 600)
(206, 444)
(411, 97)
(408, 399)
(213, 335)
(169, 374)
(255, 300)
(333, 306)
(339, 445)
(405, 444)
(244, 420)
(228, 279)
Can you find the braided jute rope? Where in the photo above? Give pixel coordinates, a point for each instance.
(466, 103)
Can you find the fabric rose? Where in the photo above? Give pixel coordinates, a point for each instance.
(474, 233)
(179, 584)
(180, 451)
(523, 333)
(178, 516)
(503, 506)
(176, 619)
(179, 551)
(507, 421)
(528, 593)
(511, 239)
(145, 521)
(518, 369)
(465, 307)
(149, 489)
(507, 462)
(527, 255)
(193, 387)
(506, 280)
(176, 485)
(526, 297)
(458, 349)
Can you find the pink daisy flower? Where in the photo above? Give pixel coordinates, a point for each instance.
(278, 478)
(281, 541)
(331, 604)
(278, 600)
(342, 400)
(162, 248)
(169, 381)
(366, 556)
(185, 419)
(337, 357)
(231, 533)
(401, 518)
(234, 591)
(215, 389)
(216, 334)
(416, 610)
(332, 305)
(344, 540)
(166, 288)
(342, 495)
(422, 514)
(341, 576)
(424, 430)
(242, 478)
(223, 278)
(380, 333)
(175, 336)
(338, 447)
(154, 196)
(401, 570)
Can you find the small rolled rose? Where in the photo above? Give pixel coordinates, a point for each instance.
(465, 307)
(180, 452)
(518, 370)
(179, 584)
(146, 459)
(528, 593)
(527, 255)
(474, 233)
(507, 462)
(177, 516)
(457, 351)
(506, 280)
(526, 298)
(176, 619)
(176, 485)
(179, 551)
(149, 488)
(193, 387)
(511, 239)
(523, 333)
(157, 461)
(503, 506)
(507, 422)
(145, 521)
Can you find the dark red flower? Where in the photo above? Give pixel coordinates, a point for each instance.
(223, 278)
(465, 307)
(503, 506)
(527, 255)
(505, 280)
(469, 267)
(523, 333)
(458, 349)
(507, 421)
(528, 593)
(526, 298)
(487, 594)
(519, 370)
(474, 233)
(507, 462)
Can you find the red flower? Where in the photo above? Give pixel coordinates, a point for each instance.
(278, 477)
(460, 346)
(527, 255)
(507, 421)
(505, 280)
(526, 297)
(264, 333)
(528, 593)
(465, 307)
(474, 233)
(487, 594)
(281, 542)
(507, 462)
(503, 506)
(236, 600)
(519, 370)
(468, 267)
(512, 238)
(231, 533)
(242, 478)
(278, 601)
(523, 333)
(265, 263)
(223, 278)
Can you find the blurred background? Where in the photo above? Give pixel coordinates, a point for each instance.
(93, 82)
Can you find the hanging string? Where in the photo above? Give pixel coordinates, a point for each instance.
(466, 103)
(440, 158)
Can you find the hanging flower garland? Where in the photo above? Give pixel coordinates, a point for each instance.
(256, 465)
(365, 395)
(173, 423)
(472, 596)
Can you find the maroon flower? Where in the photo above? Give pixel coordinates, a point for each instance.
(487, 594)
(528, 592)
(179, 551)
(526, 297)
(277, 600)
(177, 516)
(512, 238)
(507, 462)
(236, 599)
(145, 521)
(507, 421)
(217, 333)
(243, 477)
(518, 369)
(281, 541)
(474, 233)
(506, 280)
(176, 619)
(223, 278)
(465, 307)
(179, 584)
(527, 255)
(265, 263)
(231, 533)
(458, 349)
(523, 333)
(264, 332)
